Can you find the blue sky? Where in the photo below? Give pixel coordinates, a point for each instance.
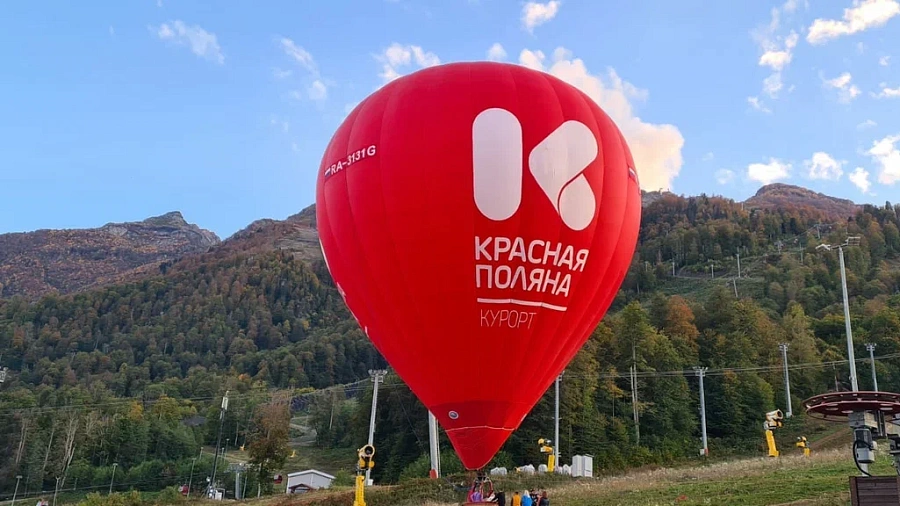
(116, 111)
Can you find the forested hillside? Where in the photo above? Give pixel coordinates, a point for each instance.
(133, 374)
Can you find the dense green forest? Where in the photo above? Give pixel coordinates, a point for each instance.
(133, 374)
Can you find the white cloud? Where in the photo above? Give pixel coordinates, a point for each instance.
(535, 13)
(278, 73)
(656, 147)
(777, 51)
(773, 84)
(708, 156)
(397, 56)
(791, 5)
(159, 3)
(299, 55)
(866, 124)
(756, 104)
(317, 90)
(884, 61)
(203, 44)
(778, 58)
(496, 52)
(863, 15)
(846, 90)
(532, 59)
(112, 31)
(724, 176)
(887, 92)
(768, 173)
(824, 166)
(860, 178)
(885, 153)
(284, 125)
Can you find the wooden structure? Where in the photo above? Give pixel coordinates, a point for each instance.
(875, 490)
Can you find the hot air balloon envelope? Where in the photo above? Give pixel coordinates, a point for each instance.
(478, 219)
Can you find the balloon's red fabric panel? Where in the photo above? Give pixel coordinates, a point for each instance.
(478, 219)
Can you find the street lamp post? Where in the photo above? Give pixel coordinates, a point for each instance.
(851, 241)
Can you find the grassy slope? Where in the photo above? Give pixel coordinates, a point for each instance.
(821, 479)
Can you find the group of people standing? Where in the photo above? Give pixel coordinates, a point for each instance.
(530, 498)
(526, 498)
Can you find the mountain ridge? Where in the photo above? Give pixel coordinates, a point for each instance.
(34, 264)
(781, 195)
(151, 246)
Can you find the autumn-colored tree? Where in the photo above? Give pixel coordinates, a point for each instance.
(269, 440)
(679, 326)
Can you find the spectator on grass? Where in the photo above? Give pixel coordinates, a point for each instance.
(516, 500)
(526, 499)
(544, 501)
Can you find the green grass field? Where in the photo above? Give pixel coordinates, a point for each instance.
(821, 479)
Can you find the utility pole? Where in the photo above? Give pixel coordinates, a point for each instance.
(871, 348)
(191, 478)
(739, 264)
(734, 282)
(113, 477)
(851, 241)
(434, 446)
(701, 371)
(16, 491)
(377, 376)
(712, 270)
(634, 399)
(673, 268)
(333, 402)
(787, 380)
(56, 490)
(556, 424)
(222, 410)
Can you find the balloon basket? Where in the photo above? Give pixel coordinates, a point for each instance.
(484, 486)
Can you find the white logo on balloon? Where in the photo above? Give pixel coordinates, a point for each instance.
(557, 164)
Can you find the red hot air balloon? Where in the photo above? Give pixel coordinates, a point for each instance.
(478, 219)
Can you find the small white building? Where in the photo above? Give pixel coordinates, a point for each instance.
(304, 481)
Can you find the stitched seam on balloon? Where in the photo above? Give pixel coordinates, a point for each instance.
(542, 350)
(481, 427)
(404, 285)
(595, 224)
(378, 342)
(522, 355)
(336, 243)
(524, 159)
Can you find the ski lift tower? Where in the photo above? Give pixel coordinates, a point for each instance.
(850, 241)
